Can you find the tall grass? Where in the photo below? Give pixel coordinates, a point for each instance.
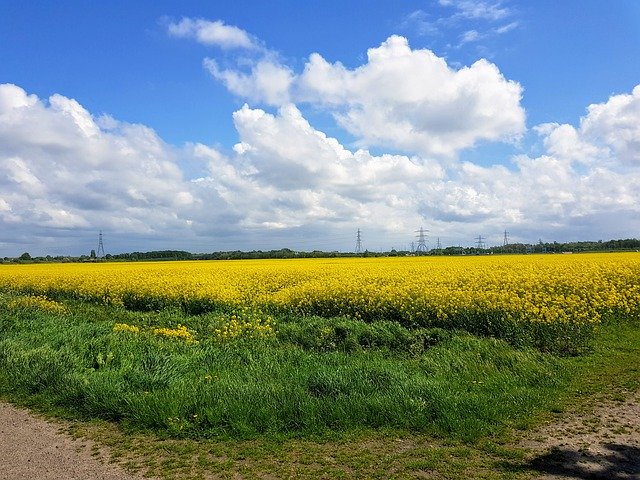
(315, 376)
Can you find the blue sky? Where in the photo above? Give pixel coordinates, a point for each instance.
(217, 125)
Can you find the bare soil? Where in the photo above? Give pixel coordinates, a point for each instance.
(603, 443)
(32, 447)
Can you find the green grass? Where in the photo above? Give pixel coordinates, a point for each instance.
(325, 398)
(350, 376)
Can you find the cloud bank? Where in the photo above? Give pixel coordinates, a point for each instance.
(65, 173)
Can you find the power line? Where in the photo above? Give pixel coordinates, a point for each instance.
(422, 240)
(100, 251)
(479, 242)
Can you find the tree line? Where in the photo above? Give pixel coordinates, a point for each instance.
(630, 244)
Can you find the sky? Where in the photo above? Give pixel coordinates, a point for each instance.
(250, 125)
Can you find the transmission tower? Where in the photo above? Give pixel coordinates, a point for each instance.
(438, 244)
(422, 240)
(506, 238)
(358, 243)
(479, 242)
(100, 251)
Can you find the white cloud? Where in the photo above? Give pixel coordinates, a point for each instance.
(59, 169)
(421, 22)
(477, 9)
(268, 81)
(65, 173)
(402, 98)
(476, 24)
(465, 12)
(213, 33)
(565, 142)
(18, 172)
(74, 110)
(13, 98)
(616, 124)
(584, 185)
(412, 100)
(292, 175)
(258, 77)
(506, 28)
(590, 170)
(609, 133)
(470, 36)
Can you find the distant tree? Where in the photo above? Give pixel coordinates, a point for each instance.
(93, 254)
(25, 256)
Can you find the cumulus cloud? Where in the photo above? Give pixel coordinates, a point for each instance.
(59, 169)
(215, 33)
(291, 175)
(405, 99)
(609, 133)
(615, 124)
(412, 100)
(566, 142)
(268, 81)
(585, 178)
(63, 172)
(596, 190)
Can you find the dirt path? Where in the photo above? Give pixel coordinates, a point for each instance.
(601, 444)
(34, 448)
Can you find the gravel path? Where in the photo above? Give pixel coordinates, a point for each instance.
(33, 448)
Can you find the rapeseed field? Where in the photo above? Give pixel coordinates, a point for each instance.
(461, 347)
(550, 301)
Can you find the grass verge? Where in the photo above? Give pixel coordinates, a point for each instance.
(335, 408)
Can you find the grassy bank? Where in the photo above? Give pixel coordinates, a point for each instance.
(295, 395)
(315, 376)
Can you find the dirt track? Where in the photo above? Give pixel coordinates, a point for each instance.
(32, 448)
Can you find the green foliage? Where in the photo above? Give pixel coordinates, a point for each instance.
(318, 376)
(236, 398)
(349, 336)
(143, 302)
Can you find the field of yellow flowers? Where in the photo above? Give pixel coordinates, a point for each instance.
(536, 299)
(453, 346)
